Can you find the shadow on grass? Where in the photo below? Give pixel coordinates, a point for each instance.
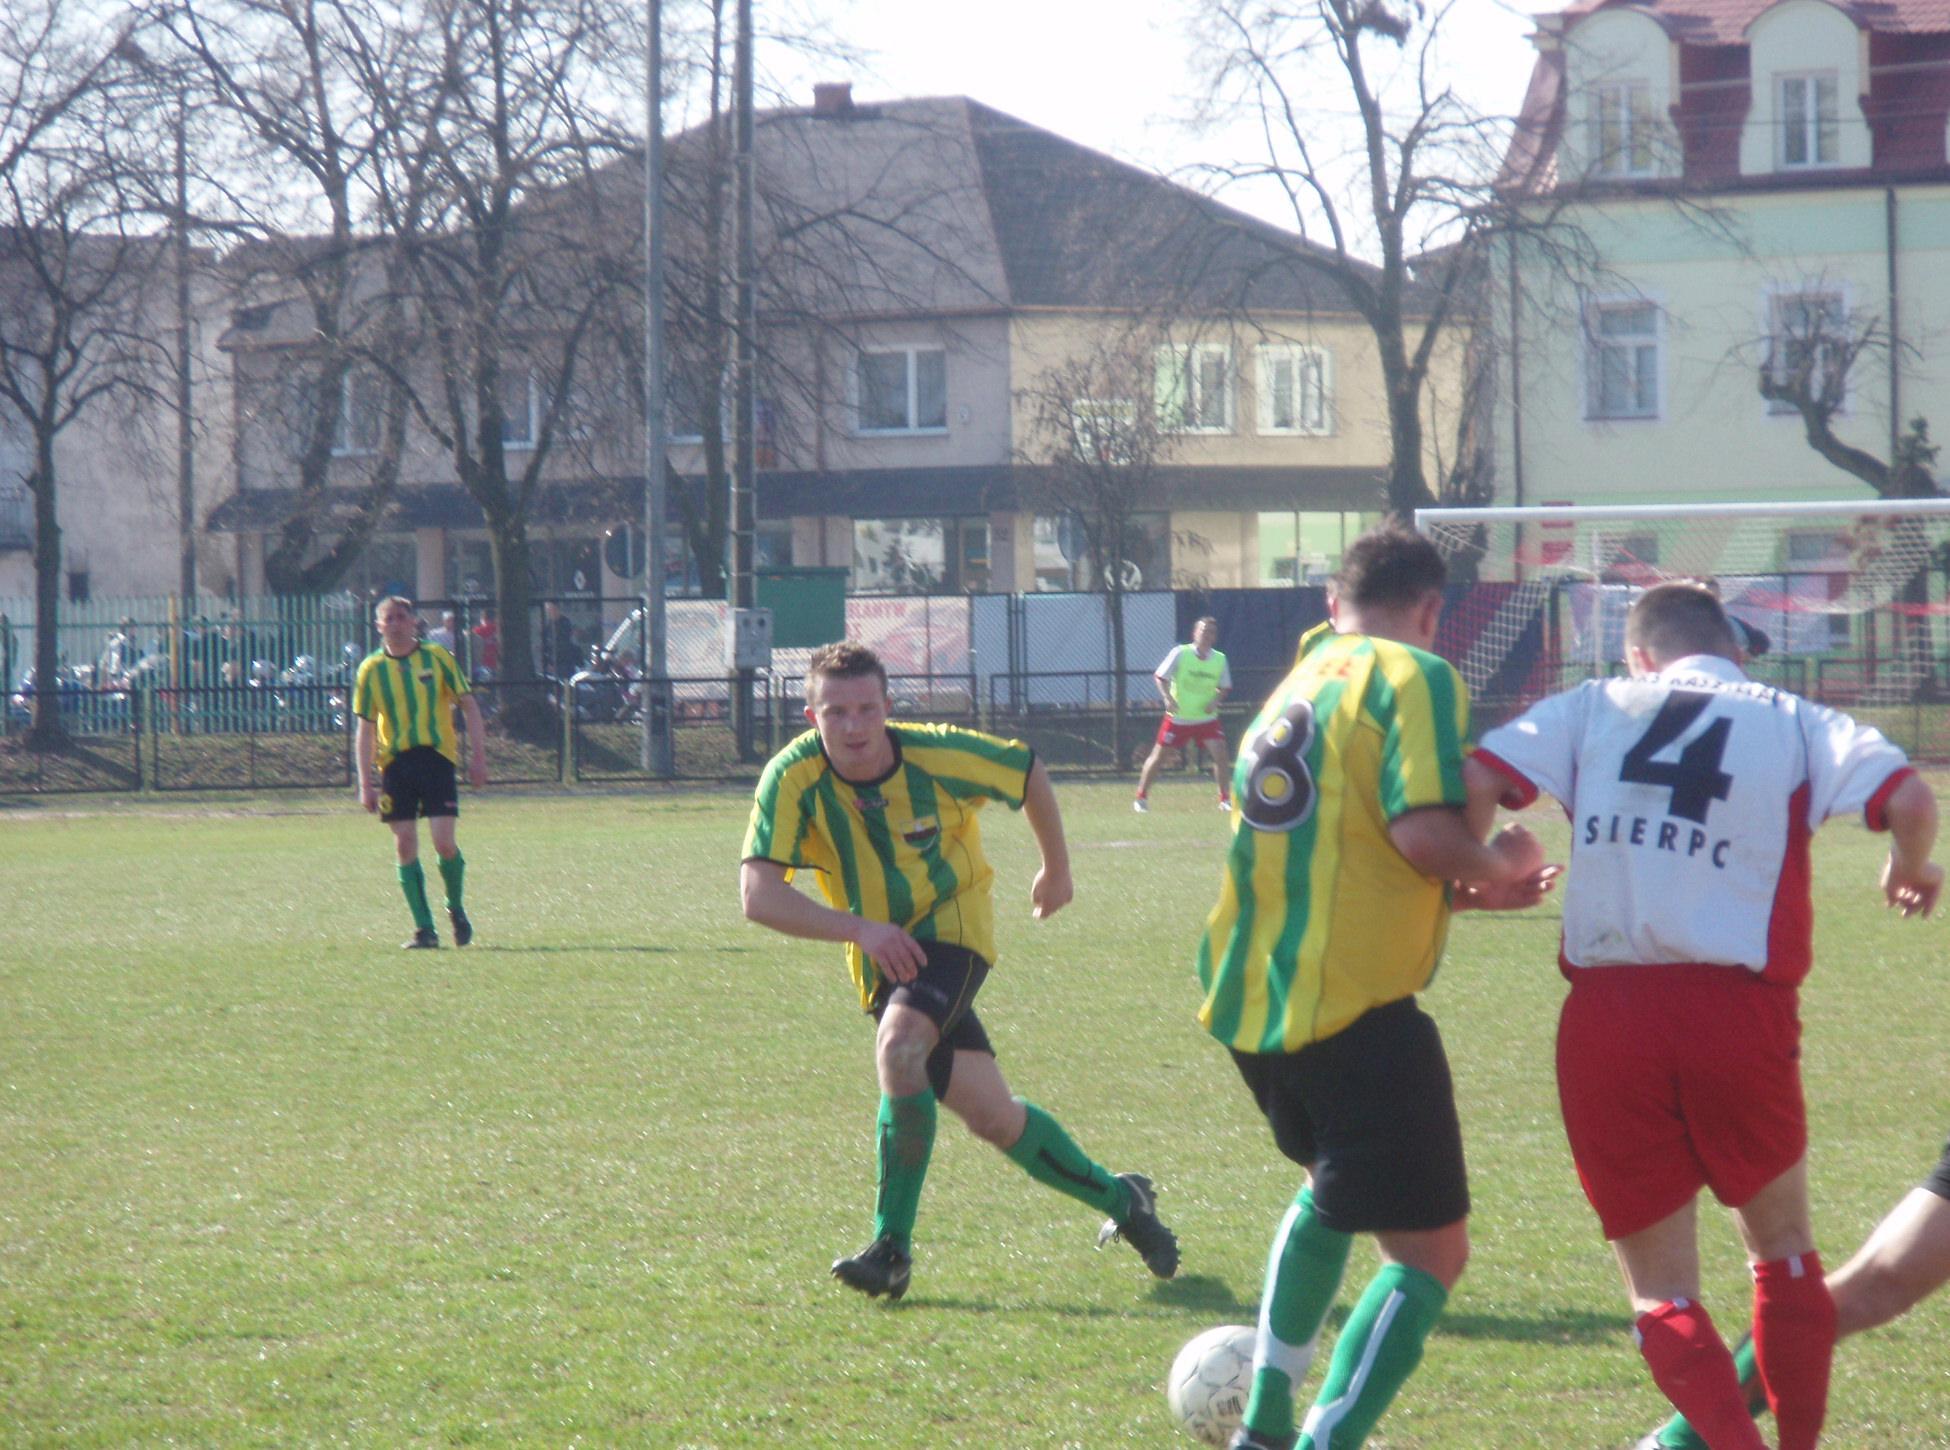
(1560, 1326)
(571, 947)
(1196, 1291)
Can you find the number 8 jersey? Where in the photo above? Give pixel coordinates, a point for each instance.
(1320, 918)
(1692, 795)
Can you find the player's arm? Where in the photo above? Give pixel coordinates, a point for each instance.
(1052, 889)
(770, 900)
(470, 714)
(1910, 879)
(1442, 842)
(362, 753)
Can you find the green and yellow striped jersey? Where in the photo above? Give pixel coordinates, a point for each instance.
(411, 699)
(906, 848)
(1320, 918)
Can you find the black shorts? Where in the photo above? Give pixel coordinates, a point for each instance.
(944, 991)
(1370, 1113)
(418, 782)
(1939, 1180)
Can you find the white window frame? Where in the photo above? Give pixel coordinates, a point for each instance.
(359, 386)
(1183, 359)
(524, 441)
(1596, 343)
(1774, 303)
(913, 353)
(1121, 411)
(1623, 108)
(1313, 406)
(1811, 130)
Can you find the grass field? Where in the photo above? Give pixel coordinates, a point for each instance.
(267, 1180)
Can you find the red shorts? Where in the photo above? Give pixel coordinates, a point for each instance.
(1674, 1078)
(1174, 735)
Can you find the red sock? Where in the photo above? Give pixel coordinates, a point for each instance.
(1690, 1363)
(1794, 1339)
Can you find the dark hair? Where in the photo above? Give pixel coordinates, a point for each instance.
(844, 659)
(1390, 567)
(1671, 621)
(1211, 619)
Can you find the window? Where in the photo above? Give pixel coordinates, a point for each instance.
(920, 556)
(1810, 134)
(903, 390)
(1622, 364)
(685, 406)
(1293, 390)
(1807, 336)
(357, 429)
(1622, 129)
(1104, 430)
(1194, 388)
(16, 521)
(518, 408)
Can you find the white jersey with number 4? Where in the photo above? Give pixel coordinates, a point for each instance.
(1692, 795)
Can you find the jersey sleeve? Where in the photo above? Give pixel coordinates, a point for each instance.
(975, 765)
(1421, 705)
(1851, 766)
(365, 701)
(1168, 666)
(1538, 749)
(781, 819)
(1225, 673)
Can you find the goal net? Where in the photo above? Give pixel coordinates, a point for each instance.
(1839, 601)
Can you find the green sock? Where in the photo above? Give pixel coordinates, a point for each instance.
(1676, 1434)
(905, 1142)
(1378, 1349)
(413, 881)
(1047, 1154)
(453, 872)
(1303, 1274)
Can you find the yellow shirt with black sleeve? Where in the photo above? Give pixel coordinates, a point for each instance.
(411, 699)
(905, 848)
(1320, 918)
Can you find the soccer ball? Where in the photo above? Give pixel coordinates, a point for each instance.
(1210, 1382)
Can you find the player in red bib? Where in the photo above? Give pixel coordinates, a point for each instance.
(1688, 926)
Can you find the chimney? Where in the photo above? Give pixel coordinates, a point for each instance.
(833, 99)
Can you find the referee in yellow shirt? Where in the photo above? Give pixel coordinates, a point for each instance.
(1350, 834)
(405, 696)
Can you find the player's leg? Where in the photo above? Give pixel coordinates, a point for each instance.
(402, 799)
(1794, 1314)
(1391, 1163)
(1905, 1259)
(1037, 1143)
(907, 1047)
(1153, 762)
(1683, 1349)
(1221, 766)
(453, 874)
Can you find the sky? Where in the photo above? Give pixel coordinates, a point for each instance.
(1115, 75)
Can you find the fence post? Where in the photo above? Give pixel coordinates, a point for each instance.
(567, 773)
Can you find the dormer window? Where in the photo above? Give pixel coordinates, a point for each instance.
(1810, 126)
(1621, 129)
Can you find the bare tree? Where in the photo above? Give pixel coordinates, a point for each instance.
(1400, 200)
(293, 76)
(72, 271)
(1093, 442)
(503, 246)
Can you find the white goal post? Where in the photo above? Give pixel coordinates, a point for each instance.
(1840, 599)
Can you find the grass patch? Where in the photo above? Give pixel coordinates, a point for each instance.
(266, 1179)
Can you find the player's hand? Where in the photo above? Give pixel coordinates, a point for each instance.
(1522, 854)
(897, 954)
(1050, 892)
(1515, 895)
(1912, 891)
(369, 795)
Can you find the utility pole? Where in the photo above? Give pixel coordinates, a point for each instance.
(658, 756)
(185, 429)
(744, 365)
